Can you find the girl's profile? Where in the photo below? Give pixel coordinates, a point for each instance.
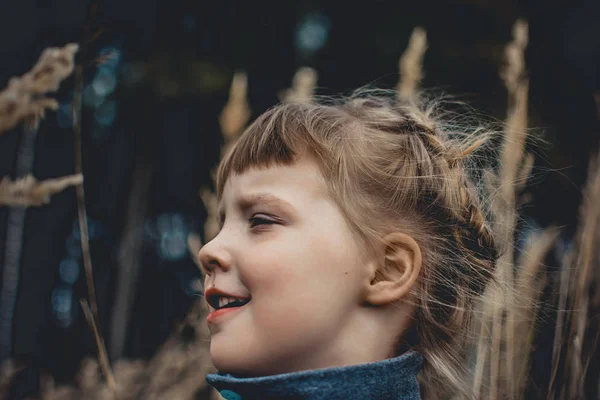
(215, 200)
(352, 247)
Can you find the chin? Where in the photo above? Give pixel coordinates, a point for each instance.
(244, 361)
(227, 359)
(237, 363)
(220, 359)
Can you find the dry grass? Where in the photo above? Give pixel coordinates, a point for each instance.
(510, 310)
(512, 161)
(28, 191)
(236, 113)
(578, 329)
(411, 63)
(24, 97)
(24, 100)
(233, 119)
(90, 305)
(175, 372)
(509, 307)
(531, 277)
(303, 86)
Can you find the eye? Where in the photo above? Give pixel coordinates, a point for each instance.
(257, 220)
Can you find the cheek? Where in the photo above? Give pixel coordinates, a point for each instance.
(294, 279)
(292, 264)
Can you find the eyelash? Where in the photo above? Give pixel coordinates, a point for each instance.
(264, 221)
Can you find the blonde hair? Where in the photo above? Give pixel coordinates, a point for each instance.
(394, 166)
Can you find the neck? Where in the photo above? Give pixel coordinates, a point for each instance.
(388, 324)
(355, 344)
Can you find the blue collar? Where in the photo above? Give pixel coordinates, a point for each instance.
(390, 379)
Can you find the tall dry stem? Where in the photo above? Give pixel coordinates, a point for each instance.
(512, 158)
(129, 259)
(92, 318)
(583, 329)
(303, 86)
(529, 284)
(561, 317)
(233, 119)
(517, 84)
(236, 113)
(410, 64)
(499, 360)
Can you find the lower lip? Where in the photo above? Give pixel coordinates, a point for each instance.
(218, 314)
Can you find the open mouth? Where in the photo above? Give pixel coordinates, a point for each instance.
(219, 302)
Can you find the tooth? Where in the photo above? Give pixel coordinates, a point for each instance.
(223, 301)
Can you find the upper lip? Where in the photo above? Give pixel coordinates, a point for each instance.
(214, 293)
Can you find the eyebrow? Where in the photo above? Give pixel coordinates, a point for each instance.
(248, 201)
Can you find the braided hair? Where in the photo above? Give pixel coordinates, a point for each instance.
(396, 166)
(454, 230)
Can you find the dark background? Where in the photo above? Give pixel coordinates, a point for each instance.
(151, 134)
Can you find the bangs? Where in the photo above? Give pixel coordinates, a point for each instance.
(278, 137)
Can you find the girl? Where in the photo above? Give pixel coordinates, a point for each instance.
(351, 250)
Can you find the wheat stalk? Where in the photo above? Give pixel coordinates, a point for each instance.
(512, 158)
(496, 355)
(517, 84)
(303, 86)
(28, 191)
(233, 119)
(236, 113)
(410, 64)
(24, 98)
(529, 285)
(583, 281)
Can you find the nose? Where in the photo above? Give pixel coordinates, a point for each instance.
(213, 255)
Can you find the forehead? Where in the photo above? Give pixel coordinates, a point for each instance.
(298, 181)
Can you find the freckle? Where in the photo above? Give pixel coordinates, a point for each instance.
(346, 273)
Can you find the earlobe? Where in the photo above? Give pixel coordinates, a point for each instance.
(395, 275)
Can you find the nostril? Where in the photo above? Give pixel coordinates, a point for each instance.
(212, 265)
(204, 270)
(208, 267)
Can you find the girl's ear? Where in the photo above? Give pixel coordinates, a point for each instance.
(392, 276)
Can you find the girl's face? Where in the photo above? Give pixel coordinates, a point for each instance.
(284, 242)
